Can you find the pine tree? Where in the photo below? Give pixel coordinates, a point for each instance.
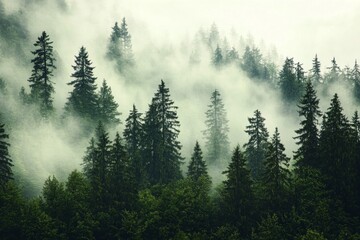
(252, 62)
(300, 74)
(335, 150)
(316, 71)
(161, 146)
(289, 84)
(307, 135)
(232, 56)
(218, 59)
(238, 193)
(114, 46)
(197, 167)
(334, 74)
(355, 76)
(126, 44)
(83, 100)
(355, 164)
(255, 148)
(122, 181)
(276, 176)
(217, 143)
(5, 160)
(40, 84)
(214, 37)
(97, 162)
(133, 139)
(120, 47)
(107, 106)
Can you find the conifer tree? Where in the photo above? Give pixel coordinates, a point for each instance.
(238, 193)
(161, 145)
(114, 46)
(5, 160)
(214, 37)
(218, 59)
(335, 150)
(307, 134)
(316, 71)
(276, 176)
(97, 162)
(83, 100)
(40, 81)
(133, 134)
(197, 167)
(120, 47)
(334, 74)
(355, 76)
(107, 107)
(289, 84)
(122, 182)
(232, 56)
(252, 62)
(126, 44)
(300, 74)
(255, 148)
(216, 134)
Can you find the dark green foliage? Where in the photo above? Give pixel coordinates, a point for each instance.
(315, 72)
(291, 81)
(83, 100)
(311, 201)
(255, 148)
(107, 107)
(335, 151)
(269, 229)
(180, 208)
(133, 134)
(218, 59)
(237, 193)
(5, 159)
(276, 176)
(216, 134)
(122, 178)
(307, 135)
(161, 147)
(40, 81)
(197, 166)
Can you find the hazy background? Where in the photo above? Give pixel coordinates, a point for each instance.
(163, 35)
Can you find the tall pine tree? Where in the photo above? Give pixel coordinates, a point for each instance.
(289, 84)
(5, 160)
(161, 144)
(83, 100)
(40, 81)
(335, 151)
(133, 134)
(107, 107)
(238, 193)
(276, 176)
(316, 71)
(307, 135)
(255, 148)
(197, 167)
(216, 134)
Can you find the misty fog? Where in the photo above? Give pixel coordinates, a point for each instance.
(164, 35)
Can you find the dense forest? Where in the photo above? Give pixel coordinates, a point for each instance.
(132, 175)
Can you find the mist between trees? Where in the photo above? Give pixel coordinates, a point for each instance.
(211, 138)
